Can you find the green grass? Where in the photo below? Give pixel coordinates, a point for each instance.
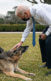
(30, 60)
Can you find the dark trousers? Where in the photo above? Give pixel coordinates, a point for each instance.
(48, 51)
(45, 48)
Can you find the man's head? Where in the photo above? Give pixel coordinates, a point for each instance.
(23, 12)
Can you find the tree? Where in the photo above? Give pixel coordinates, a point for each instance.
(47, 1)
(32, 1)
(36, 1)
(1, 20)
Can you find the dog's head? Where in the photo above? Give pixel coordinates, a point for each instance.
(19, 51)
(14, 55)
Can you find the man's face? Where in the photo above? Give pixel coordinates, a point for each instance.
(24, 17)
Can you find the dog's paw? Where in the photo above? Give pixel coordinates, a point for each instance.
(28, 79)
(31, 74)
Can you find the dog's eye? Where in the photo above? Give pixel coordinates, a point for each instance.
(11, 55)
(14, 50)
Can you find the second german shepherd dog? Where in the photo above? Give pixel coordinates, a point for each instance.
(9, 62)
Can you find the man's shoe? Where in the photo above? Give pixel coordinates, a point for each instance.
(43, 66)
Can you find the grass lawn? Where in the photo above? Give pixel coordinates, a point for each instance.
(30, 60)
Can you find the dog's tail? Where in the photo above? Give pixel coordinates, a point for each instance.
(1, 50)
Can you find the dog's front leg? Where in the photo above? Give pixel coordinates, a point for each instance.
(24, 72)
(18, 75)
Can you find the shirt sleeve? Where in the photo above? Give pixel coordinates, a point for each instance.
(27, 30)
(48, 32)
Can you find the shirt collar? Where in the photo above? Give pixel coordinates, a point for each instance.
(32, 11)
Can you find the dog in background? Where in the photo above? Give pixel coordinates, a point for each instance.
(9, 62)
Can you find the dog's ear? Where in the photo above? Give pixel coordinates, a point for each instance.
(24, 48)
(1, 50)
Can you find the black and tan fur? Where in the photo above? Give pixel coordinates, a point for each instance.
(9, 62)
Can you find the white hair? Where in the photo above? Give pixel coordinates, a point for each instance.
(20, 10)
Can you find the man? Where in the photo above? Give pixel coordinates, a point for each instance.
(40, 12)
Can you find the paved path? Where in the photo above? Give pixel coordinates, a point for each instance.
(14, 32)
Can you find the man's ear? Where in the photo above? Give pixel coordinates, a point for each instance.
(26, 14)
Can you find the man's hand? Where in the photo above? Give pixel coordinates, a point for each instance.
(17, 45)
(43, 36)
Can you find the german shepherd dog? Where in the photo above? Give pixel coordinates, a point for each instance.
(9, 62)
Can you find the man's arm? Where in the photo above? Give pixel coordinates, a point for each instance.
(27, 30)
(25, 33)
(48, 32)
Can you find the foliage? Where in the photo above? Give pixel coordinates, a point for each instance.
(1, 20)
(36, 1)
(12, 27)
(18, 27)
(48, 1)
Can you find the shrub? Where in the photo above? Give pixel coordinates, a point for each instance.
(18, 27)
(39, 27)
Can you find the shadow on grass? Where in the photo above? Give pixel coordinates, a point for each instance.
(48, 73)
